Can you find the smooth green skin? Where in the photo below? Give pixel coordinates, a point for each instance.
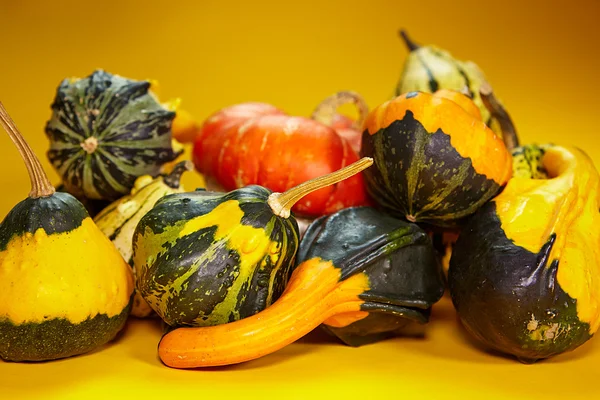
(405, 278)
(132, 128)
(187, 280)
(509, 298)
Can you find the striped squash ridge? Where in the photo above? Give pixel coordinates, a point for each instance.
(105, 131)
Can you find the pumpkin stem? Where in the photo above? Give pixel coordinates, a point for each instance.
(509, 132)
(412, 46)
(326, 110)
(173, 178)
(40, 184)
(313, 295)
(281, 203)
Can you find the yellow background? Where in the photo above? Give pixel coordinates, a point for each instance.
(541, 57)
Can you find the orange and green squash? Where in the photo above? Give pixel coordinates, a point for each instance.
(435, 161)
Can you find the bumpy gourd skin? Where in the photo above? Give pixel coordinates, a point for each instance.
(206, 258)
(64, 289)
(525, 272)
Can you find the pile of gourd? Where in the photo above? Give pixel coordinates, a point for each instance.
(426, 191)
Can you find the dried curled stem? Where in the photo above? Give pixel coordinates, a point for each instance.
(326, 110)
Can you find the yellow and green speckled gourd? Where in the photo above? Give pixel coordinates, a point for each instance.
(119, 219)
(64, 288)
(429, 69)
(525, 272)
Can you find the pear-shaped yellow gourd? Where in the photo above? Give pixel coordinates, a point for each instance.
(64, 288)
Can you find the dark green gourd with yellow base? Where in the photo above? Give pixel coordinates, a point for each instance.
(525, 272)
(64, 288)
(364, 275)
(208, 258)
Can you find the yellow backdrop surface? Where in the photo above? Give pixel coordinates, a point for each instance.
(541, 57)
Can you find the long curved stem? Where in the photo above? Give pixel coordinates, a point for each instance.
(281, 203)
(313, 295)
(509, 132)
(326, 110)
(40, 184)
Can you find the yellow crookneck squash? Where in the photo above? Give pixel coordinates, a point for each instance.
(119, 219)
(64, 288)
(525, 272)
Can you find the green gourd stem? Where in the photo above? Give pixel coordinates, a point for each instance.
(40, 184)
(412, 46)
(173, 178)
(281, 203)
(509, 132)
(326, 110)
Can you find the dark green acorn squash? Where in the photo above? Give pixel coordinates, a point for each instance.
(435, 161)
(405, 279)
(525, 272)
(64, 288)
(105, 131)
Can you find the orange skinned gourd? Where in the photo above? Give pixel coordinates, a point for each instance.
(313, 295)
(247, 144)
